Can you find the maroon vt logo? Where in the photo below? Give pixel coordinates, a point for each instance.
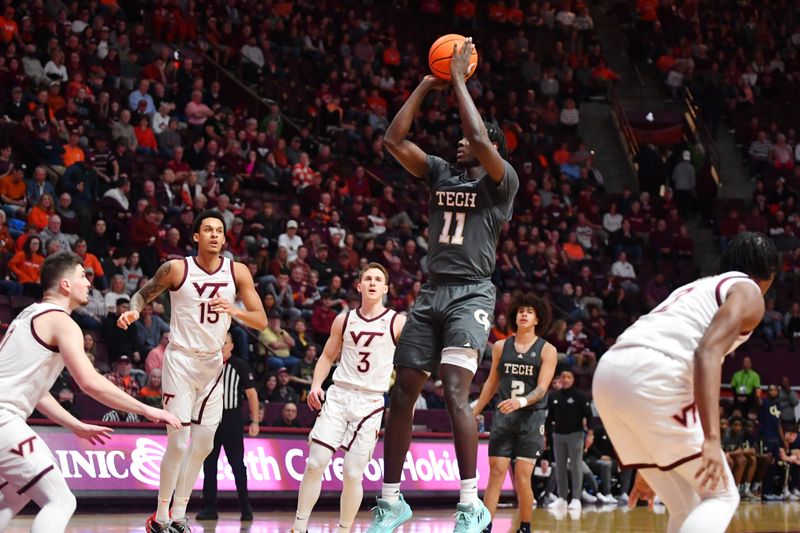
(683, 418)
(369, 334)
(215, 287)
(21, 447)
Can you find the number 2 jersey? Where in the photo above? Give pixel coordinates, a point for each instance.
(677, 324)
(465, 219)
(367, 352)
(519, 372)
(193, 326)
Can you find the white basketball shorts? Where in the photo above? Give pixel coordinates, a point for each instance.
(350, 420)
(191, 387)
(25, 458)
(646, 402)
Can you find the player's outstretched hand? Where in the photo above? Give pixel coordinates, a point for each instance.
(459, 63)
(641, 491)
(315, 398)
(712, 466)
(160, 415)
(127, 318)
(94, 434)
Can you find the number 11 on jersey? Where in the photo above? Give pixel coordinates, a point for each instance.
(458, 236)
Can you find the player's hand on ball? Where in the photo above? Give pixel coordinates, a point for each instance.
(641, 491)
(436, 83)
(160, 415)
(127, 318)
(94, 434)
(315, 398)
(508, 406)
(712, 466)
(254, 429)
(459, 63)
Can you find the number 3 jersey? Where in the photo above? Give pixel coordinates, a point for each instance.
(519, 372)
(465, 218)
(367, 352)
(193, 326)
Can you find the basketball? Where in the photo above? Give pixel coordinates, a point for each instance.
(442, 50)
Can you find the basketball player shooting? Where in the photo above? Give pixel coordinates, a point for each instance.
(522, 369)
(449, 324)
(40, 341)
(363, 341)
(657, 388)
(202, 292)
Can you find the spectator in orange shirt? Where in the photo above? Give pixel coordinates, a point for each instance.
(573, 248)
(12, 191)
(72, 152)
(151, 393)
(40, 213)
(145, 137)
(498, 12)
(26, 266)
(561, 156)
(602, 72)
(90, 260)
(9, 28)
(465, 14)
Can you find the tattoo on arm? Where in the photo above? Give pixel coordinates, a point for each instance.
(536, 395)
(158, 284)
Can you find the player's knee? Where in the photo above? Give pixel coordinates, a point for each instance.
(522, 476)
(497, 471)
(354, 473)
(178, 441)
(69, 503)
(315, 465)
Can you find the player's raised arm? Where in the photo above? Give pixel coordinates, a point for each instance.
(167, 276)
(65, 333)
(492, 382)
(742, 311)
(408, 154)
(330, 354)
(253, 314)
(471, 121)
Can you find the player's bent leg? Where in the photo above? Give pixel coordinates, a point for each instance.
(318, 458)
(57, 504)
(201, 446)
(678, 495)
(352, 491)
(457, 381)
(171, 464)
(397, 438)
(498, 467)
(10, 503)
(716, 508)
(523, 471)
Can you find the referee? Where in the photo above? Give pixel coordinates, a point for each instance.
(237, 378)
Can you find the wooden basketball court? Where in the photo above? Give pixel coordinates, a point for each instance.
(750, 518)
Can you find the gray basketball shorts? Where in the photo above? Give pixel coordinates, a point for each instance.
(446, 316)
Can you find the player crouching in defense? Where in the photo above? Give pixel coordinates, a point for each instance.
(657, 388)
(351, 411)
(522, 369)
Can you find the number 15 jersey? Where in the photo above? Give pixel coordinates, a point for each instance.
(466, 217)
(367, 352)
(193, 326)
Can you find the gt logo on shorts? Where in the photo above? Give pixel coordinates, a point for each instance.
(482, 317)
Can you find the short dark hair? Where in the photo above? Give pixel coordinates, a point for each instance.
(208, 213)
(752, 253)
(377, 266)
(540, 305)
(498, 137)
(56, 266)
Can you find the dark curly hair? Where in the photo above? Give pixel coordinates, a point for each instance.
(498, 137)
(752, 253)
(540, 305)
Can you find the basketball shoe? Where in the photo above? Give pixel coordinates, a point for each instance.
(151, 526)
(386, 516)
(471, 517)
(181, 526)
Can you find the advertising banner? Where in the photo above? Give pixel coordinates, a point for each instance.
(275, 463)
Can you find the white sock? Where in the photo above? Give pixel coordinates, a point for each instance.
(174, 457)
(179, 508)
(469, 491)
(311, 485)
(390, 492)
(162, 512)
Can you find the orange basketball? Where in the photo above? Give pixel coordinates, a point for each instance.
(442, 50)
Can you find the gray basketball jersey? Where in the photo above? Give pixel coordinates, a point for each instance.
(519, 372)
(466, 217)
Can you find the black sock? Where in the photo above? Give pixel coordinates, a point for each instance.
(524, 527)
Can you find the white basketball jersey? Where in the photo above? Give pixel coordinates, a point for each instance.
(28, 367)
(193, 326)
(677, 324)
(367, 352)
